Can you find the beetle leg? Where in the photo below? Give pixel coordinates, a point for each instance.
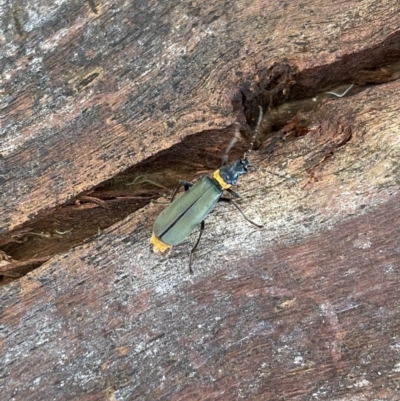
(233, 193)
(195, 246)
(187, 185)
(229, 200)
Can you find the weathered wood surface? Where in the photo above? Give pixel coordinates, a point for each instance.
(306, 308)
(90, 89)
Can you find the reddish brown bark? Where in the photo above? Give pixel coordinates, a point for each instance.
(306, 307)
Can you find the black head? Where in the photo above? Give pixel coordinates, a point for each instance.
(230, 172)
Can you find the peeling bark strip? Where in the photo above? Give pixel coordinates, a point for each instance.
(306, 308)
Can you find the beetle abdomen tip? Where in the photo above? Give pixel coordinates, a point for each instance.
(159, 246)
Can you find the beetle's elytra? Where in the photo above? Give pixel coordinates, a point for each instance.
(183, 215)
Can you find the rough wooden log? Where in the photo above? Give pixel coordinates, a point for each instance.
(305, 308)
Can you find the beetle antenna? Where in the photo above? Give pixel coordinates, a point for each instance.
(256, 129)
(236, 137)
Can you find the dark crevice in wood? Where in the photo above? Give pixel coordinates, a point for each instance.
(93, 6)
(281, 82)
(282, 92)
(17, 24)
(87, 80)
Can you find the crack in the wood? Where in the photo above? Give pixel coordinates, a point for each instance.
(17, 24)
(87, 80)
(112, 201)
(93, 6)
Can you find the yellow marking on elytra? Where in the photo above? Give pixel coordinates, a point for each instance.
(220, 180)
(159, 246)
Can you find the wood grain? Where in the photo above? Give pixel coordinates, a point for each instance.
(306, 308)
(86, 95)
